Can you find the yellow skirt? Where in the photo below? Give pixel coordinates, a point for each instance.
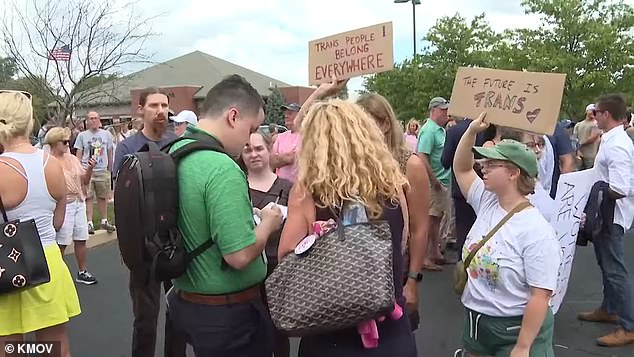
(42, 306)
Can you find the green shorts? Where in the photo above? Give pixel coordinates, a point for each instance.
(496, 336)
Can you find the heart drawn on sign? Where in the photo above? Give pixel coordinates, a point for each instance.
(531, 116)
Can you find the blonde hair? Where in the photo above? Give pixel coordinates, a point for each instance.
(409, 123)
(344, 156)
(56, 134)
(381, 111)
(16, 116)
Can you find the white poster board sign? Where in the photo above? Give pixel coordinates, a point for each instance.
(572, 195)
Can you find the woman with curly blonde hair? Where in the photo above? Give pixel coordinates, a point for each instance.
(344, 158)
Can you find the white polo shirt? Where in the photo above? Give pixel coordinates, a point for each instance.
(615, 165)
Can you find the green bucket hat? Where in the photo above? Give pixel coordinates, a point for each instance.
(512, 151)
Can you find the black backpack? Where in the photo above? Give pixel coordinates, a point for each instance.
(146, 209)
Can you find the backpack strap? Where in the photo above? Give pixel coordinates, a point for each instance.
(200, 142)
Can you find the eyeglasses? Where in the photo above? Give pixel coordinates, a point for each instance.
(534, 145)
(492, 164)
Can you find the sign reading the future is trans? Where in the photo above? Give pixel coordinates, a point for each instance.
(529, 101)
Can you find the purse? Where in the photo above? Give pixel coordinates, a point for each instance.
(345, 278)
(460, 275)
(22, 261)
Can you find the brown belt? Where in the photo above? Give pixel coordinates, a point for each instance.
(229, 299)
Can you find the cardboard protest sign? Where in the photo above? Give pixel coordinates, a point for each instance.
(522, 100)
(350, 54)
(572, 195)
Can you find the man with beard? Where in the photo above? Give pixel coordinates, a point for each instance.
(146, 294)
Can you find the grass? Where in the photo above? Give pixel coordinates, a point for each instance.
(97, 216)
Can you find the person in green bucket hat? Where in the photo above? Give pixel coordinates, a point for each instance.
(511, 255)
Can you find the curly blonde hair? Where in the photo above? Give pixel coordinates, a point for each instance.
(343, 156)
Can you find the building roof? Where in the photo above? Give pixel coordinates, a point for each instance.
(193, 69)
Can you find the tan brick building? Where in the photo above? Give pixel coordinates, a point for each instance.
(185, 79)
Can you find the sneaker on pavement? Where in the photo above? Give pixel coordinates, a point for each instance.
(108, 227)
(85, 277)
(598, 315)
(618, 338)
(91, 228)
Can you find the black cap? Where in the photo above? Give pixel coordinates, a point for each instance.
(293, 107)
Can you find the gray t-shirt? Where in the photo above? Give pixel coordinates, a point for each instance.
(97, 144)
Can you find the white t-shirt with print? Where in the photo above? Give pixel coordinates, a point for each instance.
(523, 253)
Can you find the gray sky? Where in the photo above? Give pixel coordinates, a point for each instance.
(271, 36)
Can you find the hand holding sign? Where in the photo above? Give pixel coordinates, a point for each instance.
(333, 87)
(479, 125)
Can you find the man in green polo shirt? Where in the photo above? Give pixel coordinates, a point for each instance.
(218, 304)
(431, 142)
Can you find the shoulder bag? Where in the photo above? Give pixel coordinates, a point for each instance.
(460, 275)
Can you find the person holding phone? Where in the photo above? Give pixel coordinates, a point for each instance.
(96, 143)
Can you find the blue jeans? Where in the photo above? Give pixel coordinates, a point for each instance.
(617, 286)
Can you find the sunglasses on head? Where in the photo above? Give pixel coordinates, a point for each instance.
(25, 93)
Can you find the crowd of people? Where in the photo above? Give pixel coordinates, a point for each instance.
(444, 183)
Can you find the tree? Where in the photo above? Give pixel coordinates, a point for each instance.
(274, 103)
(590, 41)
(8, 69)
(103, 38)
(453, 42)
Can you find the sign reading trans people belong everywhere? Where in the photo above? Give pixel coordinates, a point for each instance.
(350, 54)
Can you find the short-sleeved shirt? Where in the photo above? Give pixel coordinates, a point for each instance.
(134, 143)
(524, 253)
(284, 143)
(214, 204)
(98, 144)
(583, 130)
(431, 141)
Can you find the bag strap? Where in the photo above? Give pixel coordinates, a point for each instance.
(4, 212)
(508, 216)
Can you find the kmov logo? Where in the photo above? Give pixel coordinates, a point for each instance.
(24, 348)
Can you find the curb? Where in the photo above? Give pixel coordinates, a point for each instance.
(100, 237)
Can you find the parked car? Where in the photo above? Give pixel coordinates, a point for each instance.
(265, 129)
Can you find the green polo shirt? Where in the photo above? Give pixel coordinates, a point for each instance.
(214, 203)
(431, 141)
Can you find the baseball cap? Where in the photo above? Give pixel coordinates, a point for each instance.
(567, 123)
(513, 151)
(439, 102)
(293, 107)
(590, 108)
(185, 116)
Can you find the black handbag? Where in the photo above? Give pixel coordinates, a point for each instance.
(22, 260)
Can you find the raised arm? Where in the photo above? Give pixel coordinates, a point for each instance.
(323, 91)
(463, 161)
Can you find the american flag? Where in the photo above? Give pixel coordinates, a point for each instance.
(60, 54)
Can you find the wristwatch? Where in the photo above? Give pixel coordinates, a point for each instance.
(417, 276)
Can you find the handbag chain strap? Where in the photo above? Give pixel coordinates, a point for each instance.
(486, 238)
(4, 212)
